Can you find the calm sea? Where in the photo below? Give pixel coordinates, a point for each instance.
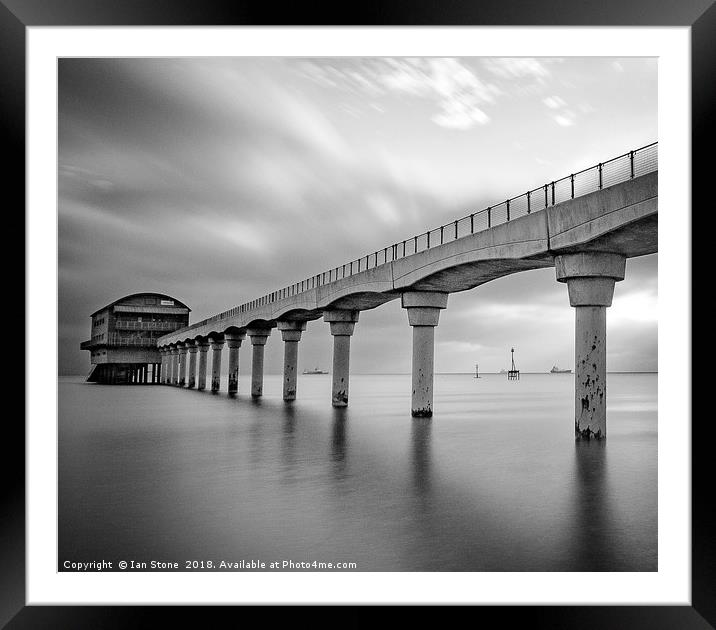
(493, 482)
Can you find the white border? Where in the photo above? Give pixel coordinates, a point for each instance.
(671, 584)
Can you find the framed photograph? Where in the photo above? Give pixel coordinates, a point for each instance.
(333, 308)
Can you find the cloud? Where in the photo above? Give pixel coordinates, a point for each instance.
(217, 180)
(455, 89)
(554, 102)
(383, 208)
(564, 120)
(563, 116)
(639, 306)
(238, 233)
(517, 68)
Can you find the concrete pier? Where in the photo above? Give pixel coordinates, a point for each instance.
(587, 237)
(291, 335)
(181, 349)
(342, 323)
(191, 377)
(590, 279)
(203, 347)
(233, 341)
(258, 336)
(216, 346)
(423, 315)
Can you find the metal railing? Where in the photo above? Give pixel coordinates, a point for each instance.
(614, 171)
(131, 325)
(113, 339)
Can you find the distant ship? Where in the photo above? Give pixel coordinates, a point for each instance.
(315, 370)
(556, 370)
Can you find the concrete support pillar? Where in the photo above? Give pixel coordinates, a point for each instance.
(163, 368)
(167, 371)
(203, 347)
(590, 279)
(291, 335)
(423, 315)
(173, 372)
(342, 324)
(233, 341)
(181, 353)
(191, 377)
(177, 361)
(258, 336)
(216, 347)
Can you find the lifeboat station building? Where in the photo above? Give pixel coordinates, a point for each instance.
(123, 346)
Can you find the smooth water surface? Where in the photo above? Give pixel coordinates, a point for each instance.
(493, 482)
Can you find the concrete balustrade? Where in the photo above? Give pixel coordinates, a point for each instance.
(423, 309)
(259, 337)
(217, 344)
(342, 323)
(233, 341)
(202, 347)
(590, 279)
(291, 335)
(191, 376)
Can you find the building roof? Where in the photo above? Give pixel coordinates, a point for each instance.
(161, 296)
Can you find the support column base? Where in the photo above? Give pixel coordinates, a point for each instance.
(587, 433)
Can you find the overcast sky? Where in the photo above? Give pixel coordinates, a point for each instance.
(216, 180)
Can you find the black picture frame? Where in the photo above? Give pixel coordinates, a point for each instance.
(17, 15)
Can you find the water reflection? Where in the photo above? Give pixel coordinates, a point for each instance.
(288, 442)
(421, 455)
(166, 472)
(339, 448)
(257, 440)
(592, 536)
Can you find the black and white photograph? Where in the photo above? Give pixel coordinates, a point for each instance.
(379, 313)
(358, 314)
